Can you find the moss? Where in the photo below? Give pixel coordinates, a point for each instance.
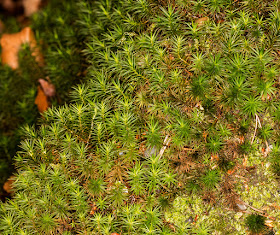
(174, 130)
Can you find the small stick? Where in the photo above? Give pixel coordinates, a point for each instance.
(257, 117)
(256, 126)
(258, 210)
(189, 149)
(258, 122)
(165, 144)
(91, 127)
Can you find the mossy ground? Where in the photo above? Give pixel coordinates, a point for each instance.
(64, 64)
(175, 131)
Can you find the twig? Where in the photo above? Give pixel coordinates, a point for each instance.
(258, 210)
(257, 117)
(253, 208)
(258, 122)
(189, 149)
(256, 127)
(165, 144)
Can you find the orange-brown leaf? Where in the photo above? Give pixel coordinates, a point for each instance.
(48, 88)
(8, 5)
(31, 6)
(41, 100)
(11, 44)
(8, 184)
(201, 21)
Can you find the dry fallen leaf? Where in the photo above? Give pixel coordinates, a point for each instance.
(9, 5)
(41, 100)
(201, 21)
(48, 88)
(11, 44)
(8, 184)
(241, 206)
(31, 6)
(17, 7)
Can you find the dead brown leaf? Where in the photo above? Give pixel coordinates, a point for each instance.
(48, 87)
(41, 100)
(8, 184)
(201, 21)
(10, 6)
(11, 44)
(18, 7)
(31, 6)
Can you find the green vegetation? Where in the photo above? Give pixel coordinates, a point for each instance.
(175, 131)
(255, 222)
(61, 47)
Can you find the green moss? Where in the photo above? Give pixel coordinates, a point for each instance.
(174, 130)
(255, 223)
(18, 88)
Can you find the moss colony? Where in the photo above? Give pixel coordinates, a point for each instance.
(175, 131)
(61, 47)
